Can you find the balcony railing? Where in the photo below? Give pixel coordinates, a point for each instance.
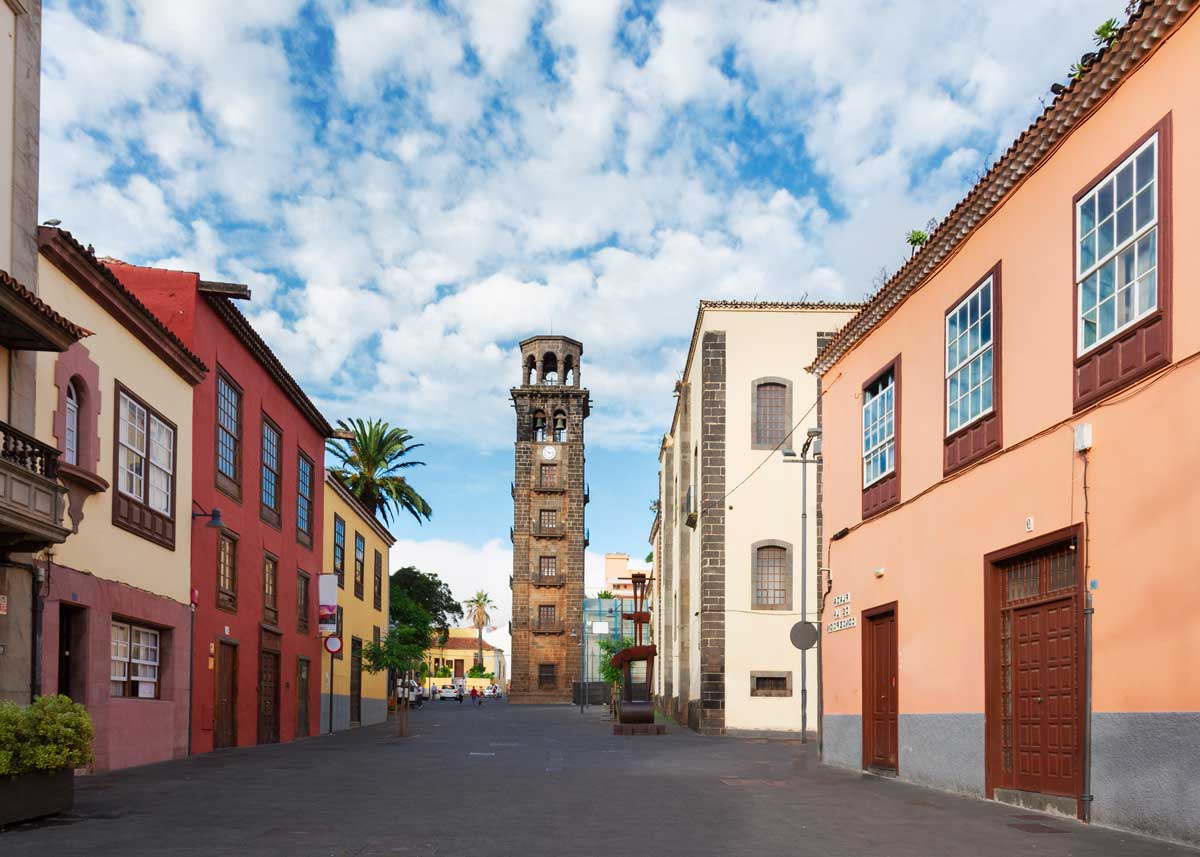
(587, 494)
(548, 531)
(540, 579)
(689, 508)
(31, 500)
(27, 452)
(546, 626)
(587, 537)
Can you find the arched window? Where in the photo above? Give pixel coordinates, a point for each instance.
(539, 425)
(771, 413)
(560, 427)
(530, 370)
(569, 371)
(71, 452)
(549, 369)
(772, 586)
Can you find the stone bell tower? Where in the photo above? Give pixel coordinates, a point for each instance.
(548, 533)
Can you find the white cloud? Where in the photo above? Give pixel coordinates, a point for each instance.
(409, 192)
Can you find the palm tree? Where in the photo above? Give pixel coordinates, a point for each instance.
(370, 455)
(477, 609)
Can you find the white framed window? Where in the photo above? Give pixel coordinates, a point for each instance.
(969, 332)
(134, 661)
(146, 455)
(879, 428)
(132, 451)
(71, 452)
(162, 464)
(1117, 249)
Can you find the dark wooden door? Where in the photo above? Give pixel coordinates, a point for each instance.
(301, 697)
(71, 649)
(268, 697)
(458, 668)
(881, 723)
(225, 727)
(1047, 724)
(356, 681)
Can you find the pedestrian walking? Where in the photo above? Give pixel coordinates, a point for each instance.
(475, 696)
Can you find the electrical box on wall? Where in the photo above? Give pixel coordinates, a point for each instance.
(1083, 437)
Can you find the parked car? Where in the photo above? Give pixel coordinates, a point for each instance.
(491, 692)
(448, 691)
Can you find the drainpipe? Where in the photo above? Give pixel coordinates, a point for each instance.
(191, 671)
(1086, 798)
(35, 654)
(822, 595)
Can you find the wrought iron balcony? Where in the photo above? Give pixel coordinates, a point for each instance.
(510, 535)
(548, 531)
(587, 494)
(540, 579)
(546, 626)
(689, 508)
(587, 537)
(31, 500)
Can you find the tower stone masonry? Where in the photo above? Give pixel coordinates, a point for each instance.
(548, 534)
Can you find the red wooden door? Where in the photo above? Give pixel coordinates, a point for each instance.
(882, 709)
(1046, 699)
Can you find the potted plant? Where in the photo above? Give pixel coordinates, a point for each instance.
(41, 745)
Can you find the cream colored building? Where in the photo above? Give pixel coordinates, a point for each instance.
(727, 542)
(617, 574)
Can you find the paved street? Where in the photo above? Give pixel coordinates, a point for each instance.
(508, 780)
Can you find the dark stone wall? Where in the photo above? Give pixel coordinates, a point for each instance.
(712, 535)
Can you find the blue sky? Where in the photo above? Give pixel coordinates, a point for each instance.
(410, 188)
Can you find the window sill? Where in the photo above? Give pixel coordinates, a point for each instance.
(304, 539)
(1122, 360)
(971, 443)
(880, 495)
(228, 487)
(270, 517)
(135, 517)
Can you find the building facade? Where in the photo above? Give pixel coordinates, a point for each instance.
(1009, 456)
(729, 566)
(32, 503)
(117, 612)
(356, 550)
(257, 458)
(549, 536)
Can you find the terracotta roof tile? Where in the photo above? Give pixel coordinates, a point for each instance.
(44, 309)
(1143, 32)
(47, 235)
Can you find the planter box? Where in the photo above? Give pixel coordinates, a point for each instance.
(29, 796)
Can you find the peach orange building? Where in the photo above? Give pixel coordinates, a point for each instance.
(1010, 468)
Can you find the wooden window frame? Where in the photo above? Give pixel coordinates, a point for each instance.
(134, 514)
(129, 681)
(270, 610)
(884, 492)
(230, 486)
(339, 550)
(377, 595)
(271, 515)
(227, 597)
(303, 601)
(553, 677)
(984, 434)
(785, 443)
(1145, 346)
(304, 534)
(360, 566)
(338, 655)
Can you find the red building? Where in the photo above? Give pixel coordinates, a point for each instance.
(258, 458)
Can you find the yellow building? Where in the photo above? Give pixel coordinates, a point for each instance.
(356, 550)
(458, 653)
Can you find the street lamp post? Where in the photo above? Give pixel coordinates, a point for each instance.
(813, 441)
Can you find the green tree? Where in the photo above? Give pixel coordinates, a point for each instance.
(402, 650)
(477, 611)
(478, 671)
(428, 590)
(443, 672)
(604, 594)
(369, 464)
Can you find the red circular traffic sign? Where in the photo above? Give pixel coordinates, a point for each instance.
(333, 645)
